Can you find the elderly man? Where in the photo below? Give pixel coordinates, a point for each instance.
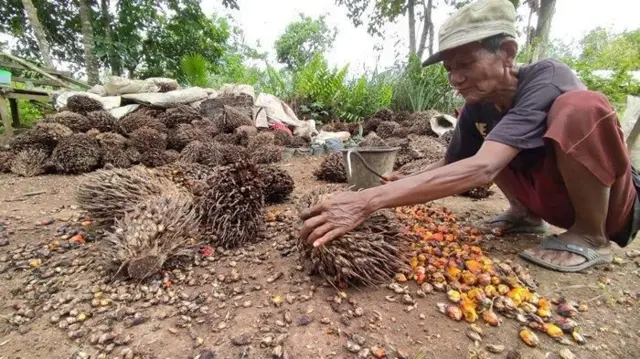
(555, 150)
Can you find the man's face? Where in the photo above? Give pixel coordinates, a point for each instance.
(474, 72)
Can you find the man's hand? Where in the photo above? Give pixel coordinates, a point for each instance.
(390, 177)
(334, 217)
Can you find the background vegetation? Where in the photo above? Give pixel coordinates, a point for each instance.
(174, 38)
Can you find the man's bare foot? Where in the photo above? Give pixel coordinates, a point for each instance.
(563, 258)
(513, 221)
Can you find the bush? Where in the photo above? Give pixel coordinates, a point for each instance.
(418, 89)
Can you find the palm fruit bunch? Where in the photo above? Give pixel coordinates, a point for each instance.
(146, 138)
(369, 255)
(281, 138)
(414, 166)
(182, 134)
(230, 154)
(405, 154)
(244, 134)
(30, 162)
(191, 176)
(372, 140)
(226, 139)
(401, 132)
(332, 169)
(232, 205)
(420, 123)
(446, 137)
(108, 194)
(385, 129)
(183, 114)
(206, 153)
(83, 104)
(428, 147)
(102, 121)
(6, 158)
(479, 192)
(298, 141)
(135, 120)
(171, 155)
(156, 230)
(154, 158)
(74, 121)
(278, 184)
(371, 125)
(113, 147)
(447, 258)
(45, 136)
(232, 119)
(78, 153)
(385, 114)
(263, 150)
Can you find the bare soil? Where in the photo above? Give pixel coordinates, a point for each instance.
(242, 308)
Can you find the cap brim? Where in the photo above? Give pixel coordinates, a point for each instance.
(433, 59)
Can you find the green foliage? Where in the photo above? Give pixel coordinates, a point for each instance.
(302, 40)
(604, 51)
(188, 31)
(29, 113)
(195, 70)
(417, 88)
(326, 93)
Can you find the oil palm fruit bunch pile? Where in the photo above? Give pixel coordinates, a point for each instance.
(369, 255)
(85, 137)
(446, 258)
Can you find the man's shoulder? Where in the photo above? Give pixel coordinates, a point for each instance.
(550, 72)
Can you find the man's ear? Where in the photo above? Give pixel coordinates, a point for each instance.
(509, 48)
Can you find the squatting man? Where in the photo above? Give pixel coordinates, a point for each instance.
(554, 148)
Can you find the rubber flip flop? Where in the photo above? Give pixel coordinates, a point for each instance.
(592, 257)
(517, 224)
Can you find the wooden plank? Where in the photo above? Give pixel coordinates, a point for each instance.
(633, 135)
(24, 96)
(35, 68)
(35, 81)
(6, 120)
(13, 104)
(10, 65)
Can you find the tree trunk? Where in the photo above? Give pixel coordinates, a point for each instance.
(545, 16)
(412, 26)
(113, 60)
(87, 40)
(32, 15)
(425, 29)
(430, 21)
(529, 34)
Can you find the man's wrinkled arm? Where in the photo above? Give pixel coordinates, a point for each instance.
(444, 181)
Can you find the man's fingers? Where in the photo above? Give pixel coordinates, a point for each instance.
(319, 232)
(331, 235)
(311, 212)
(311, 224)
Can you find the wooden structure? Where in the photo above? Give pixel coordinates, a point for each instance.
(38, 89)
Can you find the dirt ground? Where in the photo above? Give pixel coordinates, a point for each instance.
(225, 305)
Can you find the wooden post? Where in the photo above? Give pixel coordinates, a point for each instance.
(6, 120)
(15, 116)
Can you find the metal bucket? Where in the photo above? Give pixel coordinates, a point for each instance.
(366, 165)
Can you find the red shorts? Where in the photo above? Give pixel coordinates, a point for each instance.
(585, 126)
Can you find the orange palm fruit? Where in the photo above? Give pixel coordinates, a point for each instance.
(529, 337)
(491, 318)
(552, 330)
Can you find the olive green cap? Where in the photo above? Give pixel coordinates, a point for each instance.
(475, 22)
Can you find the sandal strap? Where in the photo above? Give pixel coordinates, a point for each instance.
(554, 243)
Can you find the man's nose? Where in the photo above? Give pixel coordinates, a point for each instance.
(455, 78)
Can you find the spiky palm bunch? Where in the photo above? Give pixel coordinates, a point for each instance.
(159, 228)
(78, 153)
(108, 194)
(369, 255)
(232, 206)
(278, 184)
